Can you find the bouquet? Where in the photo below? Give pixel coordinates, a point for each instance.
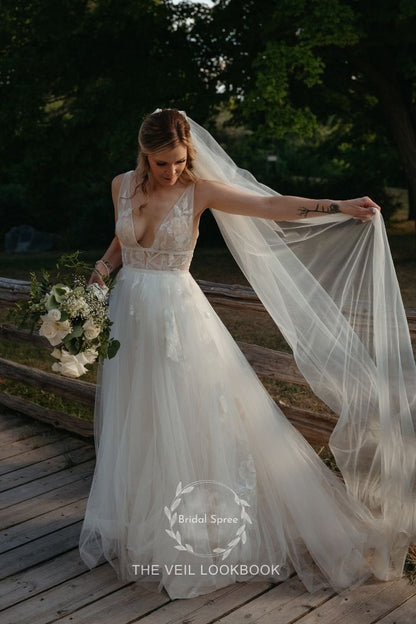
(72, 316)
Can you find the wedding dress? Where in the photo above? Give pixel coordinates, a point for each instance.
(200, 480)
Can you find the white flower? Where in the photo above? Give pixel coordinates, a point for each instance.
(58, 292)
(56, 353)
(99, 291)
(54, 331)
(69, 369)
(54, 314)
(91, 331)
(87, 357)
(69, 366)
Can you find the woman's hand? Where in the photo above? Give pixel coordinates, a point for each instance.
(96, 279)
(362, 208)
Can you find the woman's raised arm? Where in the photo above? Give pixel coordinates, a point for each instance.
(219, 196)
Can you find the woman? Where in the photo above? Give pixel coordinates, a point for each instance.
(200, 480)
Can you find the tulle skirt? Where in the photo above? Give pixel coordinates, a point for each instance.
(200, 480)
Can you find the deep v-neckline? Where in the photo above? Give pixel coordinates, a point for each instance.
(160, 224)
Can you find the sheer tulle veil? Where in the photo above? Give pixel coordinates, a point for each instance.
(330, 286)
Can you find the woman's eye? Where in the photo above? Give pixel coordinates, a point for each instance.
(163, 164)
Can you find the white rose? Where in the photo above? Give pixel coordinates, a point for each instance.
(91, 331)
(66, 356)
(54, 331)
(62, 329)
(54, 314)
(87, 357)
(69, 366)
(48, 330)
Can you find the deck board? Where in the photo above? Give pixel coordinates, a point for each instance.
(45, 479)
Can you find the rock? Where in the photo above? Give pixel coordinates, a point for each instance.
(25, 238)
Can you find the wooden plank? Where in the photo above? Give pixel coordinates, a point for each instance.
(272, 364)
(11, 419)
(64, 444)
(58, 419)
(13, 289)
(231, 295)
(40, 486)
(403, 614)
(22, 431)
(73, 389)
(39, 526)
(39, 550)
(38, 578)
(34, 441)
(240, 602)
(63, 594)
(285, 603)
(25, 336)
(138, 607)
(49, 466)
(40, 505)
(363, 605)
(120, 606)
(316, 428)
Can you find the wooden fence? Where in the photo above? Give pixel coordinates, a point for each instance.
(266, 362)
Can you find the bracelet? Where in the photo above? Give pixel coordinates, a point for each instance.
(108, 265)
(98, 273)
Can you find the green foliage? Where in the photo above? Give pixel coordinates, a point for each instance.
(76, 79)
(293, 69)
(68, 268)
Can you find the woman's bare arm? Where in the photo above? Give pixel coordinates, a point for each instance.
(113, 253)
(212, 194)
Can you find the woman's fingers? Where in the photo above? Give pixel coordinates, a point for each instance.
(370, 205)
(94, 279)
(362, 208)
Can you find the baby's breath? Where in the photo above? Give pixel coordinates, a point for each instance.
(73, 316)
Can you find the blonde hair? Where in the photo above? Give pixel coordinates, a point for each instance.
(159, 131)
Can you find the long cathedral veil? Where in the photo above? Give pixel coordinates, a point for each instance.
(330, 286)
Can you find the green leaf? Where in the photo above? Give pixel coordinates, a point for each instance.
(113, 347)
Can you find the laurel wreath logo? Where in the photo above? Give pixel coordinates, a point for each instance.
(172, 516)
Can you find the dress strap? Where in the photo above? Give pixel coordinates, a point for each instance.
(124, 194)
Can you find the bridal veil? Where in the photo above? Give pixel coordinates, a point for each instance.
(330, 286)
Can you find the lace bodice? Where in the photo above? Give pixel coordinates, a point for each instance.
(174, 241)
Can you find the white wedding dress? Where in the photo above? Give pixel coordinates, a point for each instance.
(196, 465)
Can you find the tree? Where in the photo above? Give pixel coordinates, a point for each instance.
(288, 66)
(76, 78)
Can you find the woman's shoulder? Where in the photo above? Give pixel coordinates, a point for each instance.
(117, 180)
(207, 188)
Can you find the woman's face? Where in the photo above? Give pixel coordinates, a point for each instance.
(167, 166)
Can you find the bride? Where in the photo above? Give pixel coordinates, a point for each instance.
(200, 480)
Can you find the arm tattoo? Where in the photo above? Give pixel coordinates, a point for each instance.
(331, 209)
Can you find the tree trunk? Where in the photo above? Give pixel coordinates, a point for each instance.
(388, 90)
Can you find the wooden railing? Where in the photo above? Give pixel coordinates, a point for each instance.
(267, 363)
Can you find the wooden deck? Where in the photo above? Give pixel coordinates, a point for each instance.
(45, 479)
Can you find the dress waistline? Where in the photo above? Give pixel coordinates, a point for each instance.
(145, 270)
